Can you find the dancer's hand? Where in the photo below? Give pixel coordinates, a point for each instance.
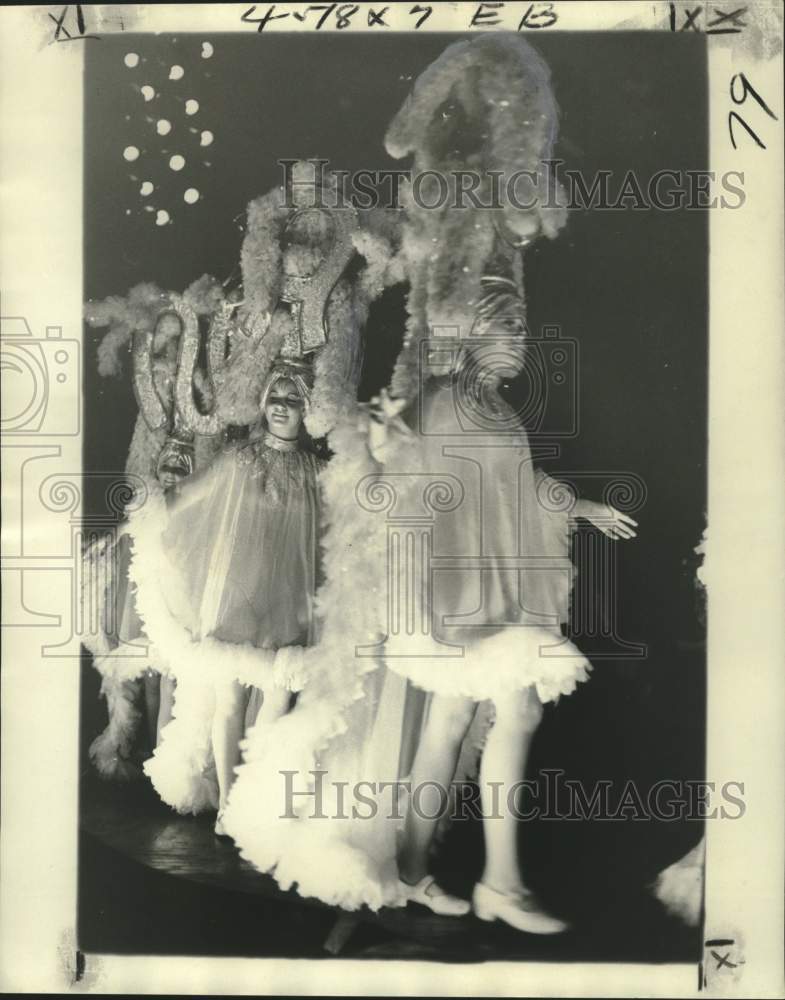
(385, 415)
(610, 521)
(385, 409)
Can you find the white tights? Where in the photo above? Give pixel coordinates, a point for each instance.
(518, 715)
(228, 728)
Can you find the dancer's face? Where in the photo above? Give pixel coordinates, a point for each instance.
(174, 464)
(169, 478)
(284, 410)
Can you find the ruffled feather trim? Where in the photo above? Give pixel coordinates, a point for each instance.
(111, 751)
(181, 767)
(513, 658)
(272, 825)
(680, 886)
(334, 871)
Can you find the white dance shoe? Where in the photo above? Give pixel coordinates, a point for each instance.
(219, 829)
(520, 910)
(427, 892)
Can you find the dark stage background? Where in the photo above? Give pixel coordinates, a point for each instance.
(629, 286)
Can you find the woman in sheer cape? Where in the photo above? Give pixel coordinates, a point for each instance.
(225, 578)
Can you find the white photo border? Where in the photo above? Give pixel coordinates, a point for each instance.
(41, 198)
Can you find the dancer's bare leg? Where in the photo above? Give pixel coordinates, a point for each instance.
(227, 731)
(276, 703)
(166, 704)
(448, 721)
(151, 682)
(501, 894)
(504, 762)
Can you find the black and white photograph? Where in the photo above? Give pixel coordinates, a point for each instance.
(422, 563)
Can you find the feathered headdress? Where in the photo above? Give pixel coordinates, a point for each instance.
(297, 371)
(484, 107)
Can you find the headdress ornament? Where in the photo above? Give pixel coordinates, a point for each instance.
(299, 371)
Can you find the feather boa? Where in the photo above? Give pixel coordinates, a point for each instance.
(337, 366)
(139, 310)
(261, 258)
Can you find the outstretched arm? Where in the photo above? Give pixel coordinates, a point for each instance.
(387, 429)
(608, 519)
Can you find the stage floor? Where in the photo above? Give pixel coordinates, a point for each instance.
(153, 882)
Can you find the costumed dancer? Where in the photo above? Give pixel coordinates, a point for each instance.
(500, 591)
(247, 621)
(294, 290)
(225, 575)
(135, 685)
(497, 597)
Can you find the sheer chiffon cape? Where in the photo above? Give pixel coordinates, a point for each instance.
(470, 503)
(225, 574)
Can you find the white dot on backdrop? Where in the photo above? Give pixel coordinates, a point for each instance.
(191, 196)
(176, 73)
(163, 127)
(162, 217)
(131, 153)
(177, 162)
(207, 50)
(131, 60)
(191, 107)
(147, 92)
(206, 138)
(146, 188)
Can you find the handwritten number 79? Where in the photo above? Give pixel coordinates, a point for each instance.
(734, 116)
